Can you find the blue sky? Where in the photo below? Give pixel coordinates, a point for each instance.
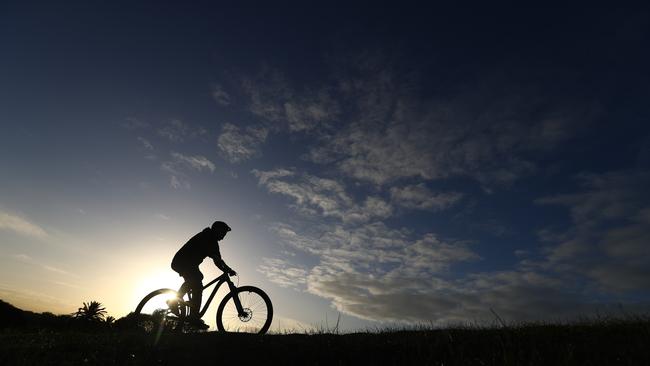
(401, 164)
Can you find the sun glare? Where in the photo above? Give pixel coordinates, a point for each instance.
(153, 281)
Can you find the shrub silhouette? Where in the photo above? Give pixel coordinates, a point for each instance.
(10, 315)
(92, 312)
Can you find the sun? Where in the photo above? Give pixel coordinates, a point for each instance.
(151, 281)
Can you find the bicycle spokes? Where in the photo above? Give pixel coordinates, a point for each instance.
(245, 310)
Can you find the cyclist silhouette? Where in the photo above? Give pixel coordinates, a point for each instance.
(187, 259)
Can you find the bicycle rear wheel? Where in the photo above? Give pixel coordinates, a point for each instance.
(161, 310)
(257, 316)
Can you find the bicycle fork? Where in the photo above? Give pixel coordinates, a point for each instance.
(240, 309)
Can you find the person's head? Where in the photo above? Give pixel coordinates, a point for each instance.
(220, 228)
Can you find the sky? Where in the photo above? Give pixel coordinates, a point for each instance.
(398, 164)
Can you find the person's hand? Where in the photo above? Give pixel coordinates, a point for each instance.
(231, 272)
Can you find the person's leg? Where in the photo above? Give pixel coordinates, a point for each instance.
(194, 278)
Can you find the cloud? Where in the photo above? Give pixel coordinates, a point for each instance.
(388, 275)
(133, 123)
(282, 272)
(382, 143)
(29, 260)
(377, 248)
(310, 111)
(196, 162)
(267, 93)
(20, 225)
(220, 96)
(179, 182)
(178, 131)
(314, 195)
(420, 197)
(440, 142)
(515, 296)
(608, 196)
(179, 163)
(608, 240)
(486, 132)
(369, 270)
(239, 145)
(265, 176)
(273, 99)
(162, 217)
(382, 274)
(147, 145)
(66, 284)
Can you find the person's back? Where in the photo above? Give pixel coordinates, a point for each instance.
(202, 245)
(187, 260)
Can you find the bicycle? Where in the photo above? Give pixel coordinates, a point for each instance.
(250, 311)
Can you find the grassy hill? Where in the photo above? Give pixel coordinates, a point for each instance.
(597, 342)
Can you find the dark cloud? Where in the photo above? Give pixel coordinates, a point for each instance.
(608, 241)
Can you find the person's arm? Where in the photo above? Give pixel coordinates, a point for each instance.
(216, 257)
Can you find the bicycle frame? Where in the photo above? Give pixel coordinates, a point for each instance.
(224, 278)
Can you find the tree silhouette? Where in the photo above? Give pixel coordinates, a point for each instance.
(92, 311)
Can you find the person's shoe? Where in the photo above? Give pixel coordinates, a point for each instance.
(197, 323)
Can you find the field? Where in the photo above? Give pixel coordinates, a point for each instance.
(603, 343)
(45, 339)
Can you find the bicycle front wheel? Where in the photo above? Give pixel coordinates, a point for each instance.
(257, 311)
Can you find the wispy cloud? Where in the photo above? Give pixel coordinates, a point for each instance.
(265, 176)
(267, 93)
(133, 123)
(29, 260)
(65, 284)
(608, 241)
(220, 95)
(20, 225)
(420, 197)
(162, 217)
(196, 162)
(178, 131)
(238, 144)
(180, 163)
(314, 195)
(274, 99)
(389, 132)
(145, 143)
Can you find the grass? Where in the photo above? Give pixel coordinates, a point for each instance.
(595, 341)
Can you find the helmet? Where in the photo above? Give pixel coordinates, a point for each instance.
(221, 227)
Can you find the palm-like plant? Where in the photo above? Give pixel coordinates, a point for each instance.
(92, 311)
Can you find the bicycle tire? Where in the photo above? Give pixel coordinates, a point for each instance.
(150, 317)
(228, 323)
